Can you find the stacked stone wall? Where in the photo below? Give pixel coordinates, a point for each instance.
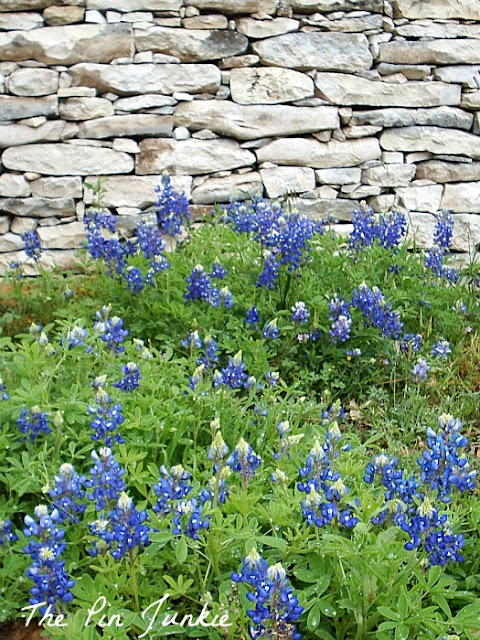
(330, 101)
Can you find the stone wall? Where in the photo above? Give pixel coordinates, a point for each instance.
(334, 101)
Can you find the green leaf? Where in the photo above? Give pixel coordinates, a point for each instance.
(388, 613)
(403, 606)
(181, 550)
(401, 632)
(326, 608)
(270, 541)
(313, 619)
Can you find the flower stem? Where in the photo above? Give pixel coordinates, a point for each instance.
(133, 573)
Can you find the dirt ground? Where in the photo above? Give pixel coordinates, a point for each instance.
(18, 631)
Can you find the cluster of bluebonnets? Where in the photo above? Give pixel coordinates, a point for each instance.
(184, 504)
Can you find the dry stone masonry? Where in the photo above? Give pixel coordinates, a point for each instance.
(330, 101)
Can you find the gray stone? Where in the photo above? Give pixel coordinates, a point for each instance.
(338, 176)
(63, 236)
(129, 146)
(33, 82)
(13, 186)
(65, 187)
(191, 157)
(420, 229)
(269, 86)
(430, 29)
(16, 108)
(213, 21)
(389, 175)
(146, 101)
(361, 131)
(254, 121)
(420, 198)
(466, 233)
(339, 208)
(76, 92)
(131, 79)
(437, 9)
(286, 180)
(266, 28)
(191, 45)
(57, 16)
(232, 7)
(237, 62)
(369, 22)
(437, 171)
(410, 71)
(432, 139)
(21, 225)
(10, 241)
(463, 197)
(316, 50)
(135, 5)
(85, 108)
(136, 191)
(346, 89)
(4, 224)
(329, 6)
(20, 21)
(448, 117)
(320, 155)
(140, 124)
(68, 45)
(242, 187)
(13, 135)
(431, 52)
(66, 160)
(38, 207)
(467, 75)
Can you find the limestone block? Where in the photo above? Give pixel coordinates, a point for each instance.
(241, 186)
(20, 21)
(421, 198)
(136, 191)
(135, 5)
(437, 9)
(258, 29)
(349, 175)
(62, 236)
(65, 187)
(141, 124)
(57, 16)
(232, 7)
(282, 180)
(33, 82)
(269, 86)
(442, 51)
(10, 241)
(448, 117)
(432, 139)
(85, 108)
(16, 108)
(13, 186)
(462, 196)
(437, 171)
(389, 175)
(38, 207)
(17, 134)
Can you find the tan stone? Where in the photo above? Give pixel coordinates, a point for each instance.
(463, 197)
(136, 191)
(67, 160)
(249, 122)
(307, 152)
(431, 29)
(191, 157)
(64, 187)
(191, 45)
(62, 236)
(389, 175)
(13, 186)
(437, 171)
(38, 207)
(280, 181)
(420, 198)
(135, 5)
(345, 89)
(57, 16)
(12, 135)
(316, 50)
(348, 175)
(69, 44)
(329, 6)
(213, 21)
(10, 241)
(448, 117)
(231, 7)
(131, 79)
(471, 100)
(85, 108)
(269, 86)
(20, 21)
(266, 28)
(437, 9)
(139, 124)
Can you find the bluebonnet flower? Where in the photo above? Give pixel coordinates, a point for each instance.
(341, 319)
(105, 479)
(300, 313)
(221, 297)
(150, 240)
(33, 422)
(122, 529)
(191, 512)
(4, 394)
(6, 533)
(442, 466)
(111, 250)
(244, 461)
(68, 293)
(199, 286)
(171, 487)
(276, 607)
(388, 230)
(196, 377)
(252, 318)
(443, 230)
(353, 353)
(272, 377)
(410, 342)
(210, 357)
(420, 370)
(218, 271)
(270, 272)
(67, 494)
(271, 330)
(193, 340)
(434, 257)
(441, 349)
(234, 375)
(45, 547)
(111, 330)
(217, 451)
(32, 246)
(217, 486)
(131, 377)
(108, 417)
(76, 337)
(172, 208)
(134, 279)
(279, 477)
(376, 310)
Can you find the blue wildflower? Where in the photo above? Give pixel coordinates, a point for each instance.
(420, 370)
(108, 417)
(6, 533)
(271, 331)
(234, 375)
(171, 487)
(172, 208)
(410, 343)
(252, 317)
(32, 246)
(376, 310)
(218, 271)
(111, 330)
(105, 479)
(300, 313)
(67, 494)
(33, 422)
(441, 349)
(244, 461)
(131, 377)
